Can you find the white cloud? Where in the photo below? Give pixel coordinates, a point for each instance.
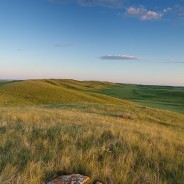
(143, 14)
(166, 10)
(140, 12)
(119, 57)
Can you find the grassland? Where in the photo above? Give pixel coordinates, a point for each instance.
(50, 127)
(107, 142)
(43, 92)
(163, 97)
(53, 91)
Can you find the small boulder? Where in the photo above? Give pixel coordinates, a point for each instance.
(70, 179)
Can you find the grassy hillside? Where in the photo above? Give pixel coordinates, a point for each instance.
(42, 92)
(3, 82)
(169, 98)
(80, 85)
(56, 91)
(111, 143)
(50, 127)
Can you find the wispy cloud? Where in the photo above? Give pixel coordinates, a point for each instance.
(59, 1)
(143, 14)
(106, 3)
(167, 10)
(177, 62)
(135, 58)
(178, 13)
(20, 50)
(139, 11)
(63, 45)
(119, 57)
(179, 9)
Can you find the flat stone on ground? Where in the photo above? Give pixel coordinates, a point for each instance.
(70, 179)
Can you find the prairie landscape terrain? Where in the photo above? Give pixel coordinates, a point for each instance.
(91, 92)
(55, 91)
(104, 130)
(163, 97)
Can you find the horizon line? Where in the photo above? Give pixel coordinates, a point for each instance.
(141, 84)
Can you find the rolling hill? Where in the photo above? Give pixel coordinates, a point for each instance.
(51, 127)
(61, 91)
(163, 97)
(44, 92)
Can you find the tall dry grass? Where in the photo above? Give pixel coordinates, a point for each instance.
(37, 144)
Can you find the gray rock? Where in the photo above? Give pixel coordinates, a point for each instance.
(70, 179)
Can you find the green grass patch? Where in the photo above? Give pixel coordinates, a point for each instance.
(169, 98)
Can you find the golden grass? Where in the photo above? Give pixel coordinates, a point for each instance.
(107, 142)
(42, 92)
(79, 85)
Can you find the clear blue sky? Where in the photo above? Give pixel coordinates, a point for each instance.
(128, 41)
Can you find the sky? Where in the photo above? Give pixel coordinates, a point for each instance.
(126, 41)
